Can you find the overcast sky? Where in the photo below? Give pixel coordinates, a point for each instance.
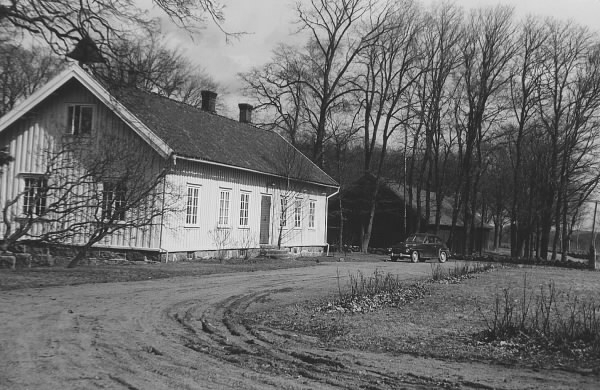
(269, 22)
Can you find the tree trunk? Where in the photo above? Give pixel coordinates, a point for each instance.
(369, 228)
(341, 232)
(81, 254)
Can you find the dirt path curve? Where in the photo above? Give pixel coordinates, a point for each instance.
(182, 333)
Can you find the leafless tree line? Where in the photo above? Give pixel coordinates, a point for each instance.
(497, 114)
(63, 24)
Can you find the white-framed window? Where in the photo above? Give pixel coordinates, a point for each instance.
(35, 195)
(283, 213)
(224, 207)
(244, 208)
(298, 213)
(80, 118)
(113, 201)
(191, 209)
(312, 208)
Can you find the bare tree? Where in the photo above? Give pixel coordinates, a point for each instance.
(391, 67)
(441, 39)
(64, 23)
(292, 169)
(22, 71)
(568, 100)
(280, 95)
(487, 49)
(524, 85)
(332, 49)
(146, 63)
(87, 193)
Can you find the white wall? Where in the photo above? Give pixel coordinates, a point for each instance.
(211, 179)
(31, 138)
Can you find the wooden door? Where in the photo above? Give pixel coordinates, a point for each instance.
(265, 219)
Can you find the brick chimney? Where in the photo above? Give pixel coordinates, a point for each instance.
(245, 112)
(209, 101)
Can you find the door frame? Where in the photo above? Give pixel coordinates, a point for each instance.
(260, 225)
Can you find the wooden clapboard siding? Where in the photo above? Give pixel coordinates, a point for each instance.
(211, 179)
(44, 127)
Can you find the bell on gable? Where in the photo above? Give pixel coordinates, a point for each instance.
(86, 51)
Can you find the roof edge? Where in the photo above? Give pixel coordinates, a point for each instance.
(179, 157)
(76, 72)
(309, 160)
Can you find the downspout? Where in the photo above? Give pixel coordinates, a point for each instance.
(162, 214)
(327, 215)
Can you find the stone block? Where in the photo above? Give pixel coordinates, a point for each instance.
(8, 261)
(23, 260)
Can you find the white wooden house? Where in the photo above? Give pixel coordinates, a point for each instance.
(237, 186)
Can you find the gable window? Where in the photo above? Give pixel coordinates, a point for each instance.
(191, 210)
(244, 206)
(312, 207)
(35, 196)
(80, 119)
(298, 213)
(113, 201)
(224, 208)
(283, 214)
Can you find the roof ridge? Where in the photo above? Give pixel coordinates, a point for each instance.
(249, 124)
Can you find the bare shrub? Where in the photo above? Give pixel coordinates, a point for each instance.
(221, 238)
(551, 318)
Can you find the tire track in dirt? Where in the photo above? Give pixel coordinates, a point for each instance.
(187, 333)
(219, 332)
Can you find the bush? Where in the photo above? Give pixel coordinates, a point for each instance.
(549, 318)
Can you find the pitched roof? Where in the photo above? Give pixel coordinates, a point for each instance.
(399, 192)
(75, 72)
(175, 128)
(197, 134)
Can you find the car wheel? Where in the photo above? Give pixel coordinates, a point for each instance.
(443, 256)
(414, 256)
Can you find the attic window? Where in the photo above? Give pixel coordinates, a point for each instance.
(80, 119)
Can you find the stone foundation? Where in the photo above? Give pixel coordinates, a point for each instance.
(36, 255)
(306, 251)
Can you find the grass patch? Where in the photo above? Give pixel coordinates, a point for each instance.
(444, 321)
(59, 276)
(544, 318)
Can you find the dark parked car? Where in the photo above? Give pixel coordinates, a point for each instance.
(420, 247)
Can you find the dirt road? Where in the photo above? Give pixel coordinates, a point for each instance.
(183, 333)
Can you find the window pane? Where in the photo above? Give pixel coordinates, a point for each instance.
(311, 214)
(71, 123)
(86, 120)
(191, 214)
(224, 208)
(244, 206)
(113, 201)
(76, 118)
(80, 119)
(35, 196)
(298, 213)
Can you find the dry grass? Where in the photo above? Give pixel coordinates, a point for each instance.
(446, 323)
(60, 276)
